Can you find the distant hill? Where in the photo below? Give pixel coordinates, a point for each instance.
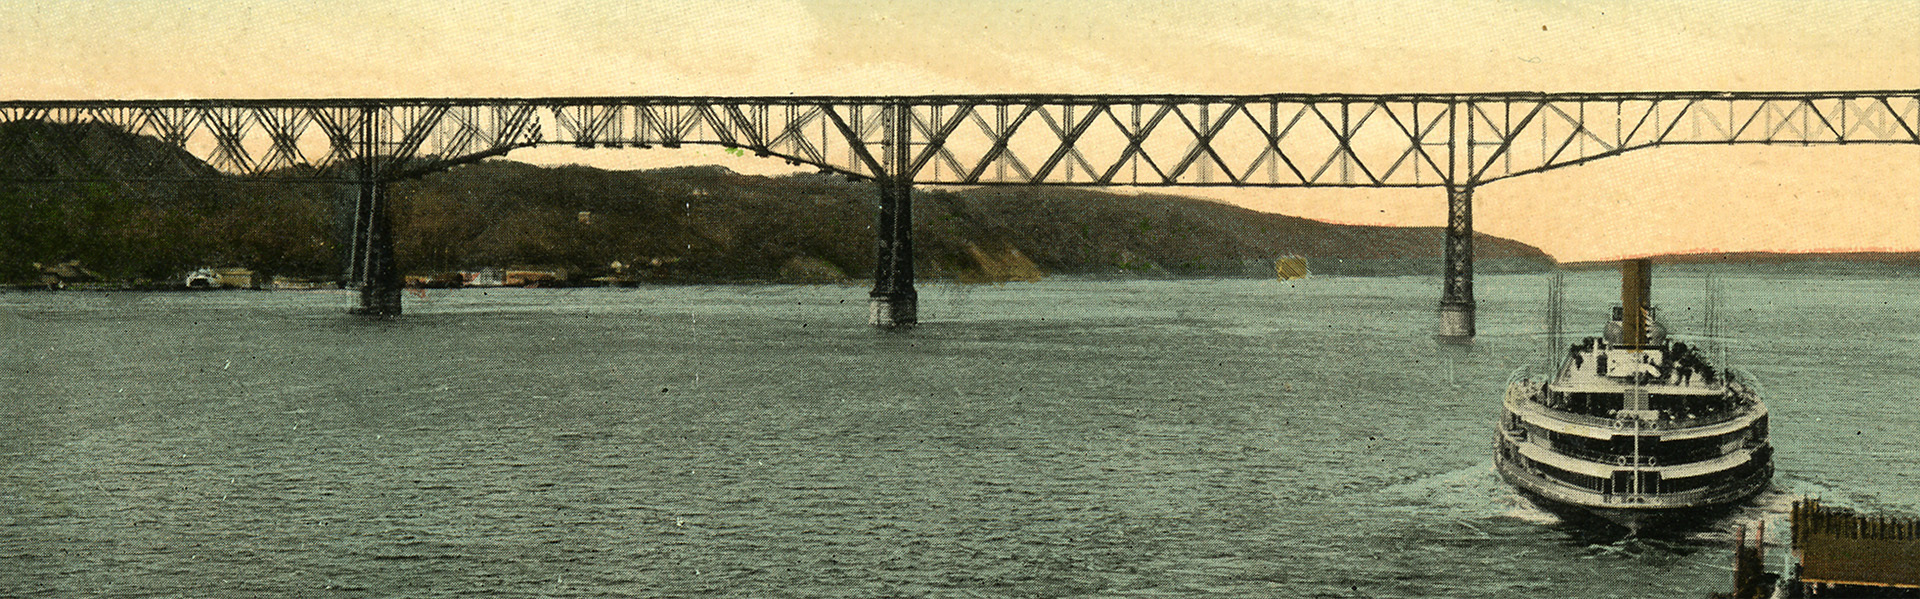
(669, 225)
(133, 208)
(1899, 258)
(1082, 230)
(1878, 263)
(42, 150)
(706, 223)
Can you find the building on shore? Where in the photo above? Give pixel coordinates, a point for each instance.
(1845, 554)
(58, 276)
(1836, 553)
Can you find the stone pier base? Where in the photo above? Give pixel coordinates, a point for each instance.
(378, 301)
(893, 311)
(1456, 323)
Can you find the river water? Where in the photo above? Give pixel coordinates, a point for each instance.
(1194, 438)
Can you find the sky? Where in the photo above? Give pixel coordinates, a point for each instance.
(1653, 201)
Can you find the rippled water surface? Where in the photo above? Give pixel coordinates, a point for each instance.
(1222, 438)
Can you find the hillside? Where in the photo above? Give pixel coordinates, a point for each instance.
(706, 223)
(38, 149)
(65, 196)
(1861, 263)
(700, 224)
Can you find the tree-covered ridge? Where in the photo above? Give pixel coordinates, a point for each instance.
(709, 223)
(668, 225)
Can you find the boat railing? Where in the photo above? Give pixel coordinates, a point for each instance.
(1665, 423)
(1519, 375)
(1618, 424)
(1695, 496)
(1525, 385)
(1519, 391)
(1601, 457)
(1698, 455)
(1708, 419)
(1524, 390)
(1691, 496)
(1650, 460)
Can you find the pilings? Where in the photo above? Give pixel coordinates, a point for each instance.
(1456, 295)
(1859, 553)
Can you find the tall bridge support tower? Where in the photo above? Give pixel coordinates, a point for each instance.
(894, 304)
(1456, 286)
(373, 267)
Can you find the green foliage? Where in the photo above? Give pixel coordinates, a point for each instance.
(681, 224)
(145, 231)
(157, 231)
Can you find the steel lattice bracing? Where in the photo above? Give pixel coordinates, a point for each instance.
(1455, 141)
(1249, 141)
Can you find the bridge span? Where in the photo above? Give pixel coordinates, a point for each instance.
(1457, 142)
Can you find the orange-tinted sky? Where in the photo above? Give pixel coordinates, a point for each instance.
(1665, 199)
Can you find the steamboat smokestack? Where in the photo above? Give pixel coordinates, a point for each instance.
(1636, 301)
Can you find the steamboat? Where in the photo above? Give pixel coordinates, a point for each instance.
(1634, 427)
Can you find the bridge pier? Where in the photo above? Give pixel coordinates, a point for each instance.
(893, 303)
(373, 263)
(1456, 294)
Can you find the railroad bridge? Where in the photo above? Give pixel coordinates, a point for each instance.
(1456, 142)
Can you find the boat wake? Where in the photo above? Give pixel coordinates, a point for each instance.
(1636, 548)
(1468, 494)
(1525, 510)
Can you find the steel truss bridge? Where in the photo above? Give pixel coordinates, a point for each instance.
(1453, 141)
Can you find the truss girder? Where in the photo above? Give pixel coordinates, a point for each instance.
(1321, 140)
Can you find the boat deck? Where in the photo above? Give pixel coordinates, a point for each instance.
(1624, 370)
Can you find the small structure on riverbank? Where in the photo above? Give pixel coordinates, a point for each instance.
(1845, 554)
(58, 276)
(222, 278)
(1836, 553)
